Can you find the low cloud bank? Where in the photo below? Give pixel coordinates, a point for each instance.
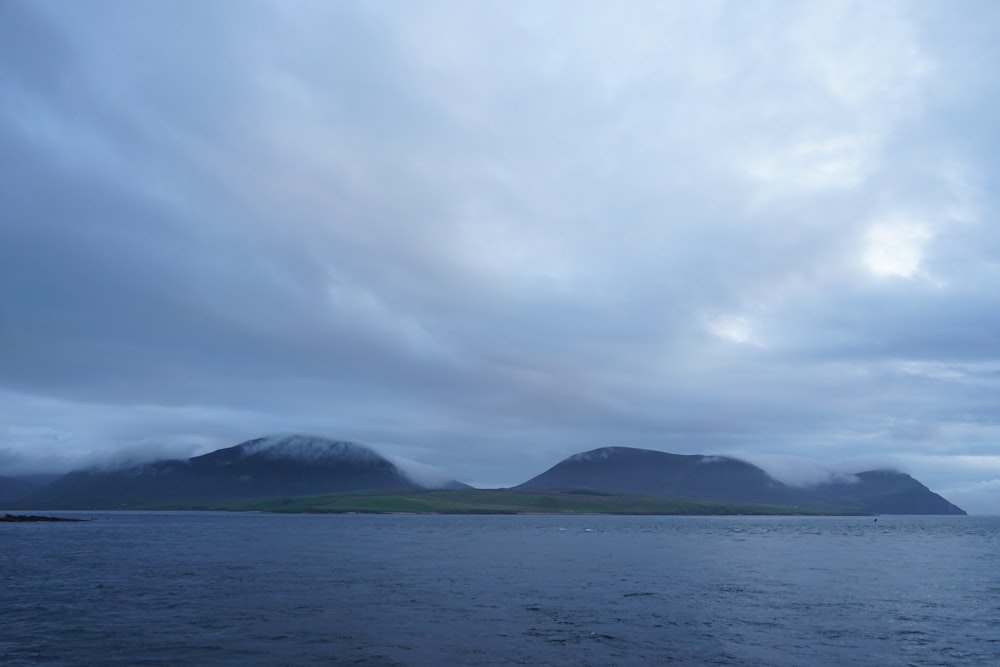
(802, 471)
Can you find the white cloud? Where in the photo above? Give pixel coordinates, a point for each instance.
(733, 328)
(895, 246)
(867, 55)
(805, 167)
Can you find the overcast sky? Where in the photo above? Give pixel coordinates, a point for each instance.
(483, 236)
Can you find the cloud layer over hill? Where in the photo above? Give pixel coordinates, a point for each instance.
(488, 235)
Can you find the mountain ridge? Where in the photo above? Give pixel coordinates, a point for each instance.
(628, 470)
(302, 465)
(291, 465)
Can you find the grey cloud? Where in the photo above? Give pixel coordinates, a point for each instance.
(485, 236)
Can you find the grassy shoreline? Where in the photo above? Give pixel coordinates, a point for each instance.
(493, 501)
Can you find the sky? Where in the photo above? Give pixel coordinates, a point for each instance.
(481, 237)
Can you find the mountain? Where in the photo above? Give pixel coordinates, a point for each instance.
(265, 467)
(297, 465)
(886, 492)
(646, 472)
(625, 470)
(21, 486)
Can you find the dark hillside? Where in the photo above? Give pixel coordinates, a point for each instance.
(265, 467)
(645, 472)
(887, 492)
(624, 470)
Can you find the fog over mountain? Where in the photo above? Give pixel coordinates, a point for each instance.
(274, 466)
(725, 479)
(802, 471)
(302, 465)
(485, 236)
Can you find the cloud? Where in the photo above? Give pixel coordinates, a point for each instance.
(895, 247)
(483, 236)
(733, 328)
(423, 474)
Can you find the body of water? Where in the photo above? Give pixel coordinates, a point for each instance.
(234, 589)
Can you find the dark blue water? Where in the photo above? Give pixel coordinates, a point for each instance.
(231, 589)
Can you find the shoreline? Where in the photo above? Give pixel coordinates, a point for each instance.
(35, 518)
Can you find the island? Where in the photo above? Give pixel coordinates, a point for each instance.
(28, 518)
(302, 473)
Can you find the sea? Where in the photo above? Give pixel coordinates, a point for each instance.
(200, 589)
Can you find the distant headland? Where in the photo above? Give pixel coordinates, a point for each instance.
(310, 474)
(29, 518)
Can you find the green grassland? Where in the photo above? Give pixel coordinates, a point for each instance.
(495, 501)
